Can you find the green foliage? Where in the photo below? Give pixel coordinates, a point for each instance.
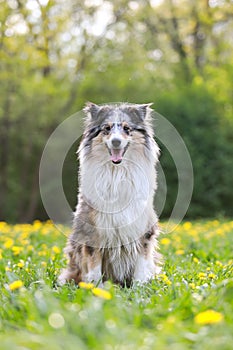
(196, 278)
(197, 117)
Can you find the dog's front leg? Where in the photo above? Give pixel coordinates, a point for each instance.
(144, 269)
(146, 264)
(92, 265)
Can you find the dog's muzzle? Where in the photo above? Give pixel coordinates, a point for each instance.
(117, 151)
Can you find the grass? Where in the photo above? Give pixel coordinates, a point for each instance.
(188, 306)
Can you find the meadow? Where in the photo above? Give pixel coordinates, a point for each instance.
(188, 306)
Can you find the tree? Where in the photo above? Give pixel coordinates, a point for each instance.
(55, 55)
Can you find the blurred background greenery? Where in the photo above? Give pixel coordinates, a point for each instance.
(56, 55)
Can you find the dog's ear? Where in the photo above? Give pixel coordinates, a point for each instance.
(91, 110)
(144, 110)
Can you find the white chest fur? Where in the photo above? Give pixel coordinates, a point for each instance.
(122, 198)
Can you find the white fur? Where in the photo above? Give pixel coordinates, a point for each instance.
(122, 195)
(93, 275)
(144, 270)
(62, 278)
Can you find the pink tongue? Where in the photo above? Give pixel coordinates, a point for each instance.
(116, 155)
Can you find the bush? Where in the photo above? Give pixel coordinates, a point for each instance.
(200, 121)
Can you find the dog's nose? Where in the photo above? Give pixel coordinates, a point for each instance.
(116, 143)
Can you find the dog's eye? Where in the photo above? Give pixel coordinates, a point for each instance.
(126, 128)
(107, 128)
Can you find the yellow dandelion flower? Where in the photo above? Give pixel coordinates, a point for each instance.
(85, 285)
(220, 232)
(218, 263)
(180, 252)
(192, 285)
(20, 264)
(165, 241)
(215, 222)
(187, 225)
(42, 253)
(202, 275)
(208, 317)
(165, 279)
(24, 235)
(16, 250)
(37, 224)
(24, 242)
(50, 223)
(101, 293)
(168, 282)
(196, 260)
(56, 249)
(193, 232)
(212, 275)
(3, 224)
(9, 243)
(7, 268)
(15, 285)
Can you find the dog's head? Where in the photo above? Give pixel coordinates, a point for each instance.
(117, 127)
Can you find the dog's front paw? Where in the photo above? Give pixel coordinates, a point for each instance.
(94, 276)
(62, 278)
(143, 279)
(68, 275)
(145, 270)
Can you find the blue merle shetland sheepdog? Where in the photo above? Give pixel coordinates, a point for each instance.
(115, 226)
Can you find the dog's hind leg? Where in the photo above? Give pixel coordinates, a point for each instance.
(73, 271)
